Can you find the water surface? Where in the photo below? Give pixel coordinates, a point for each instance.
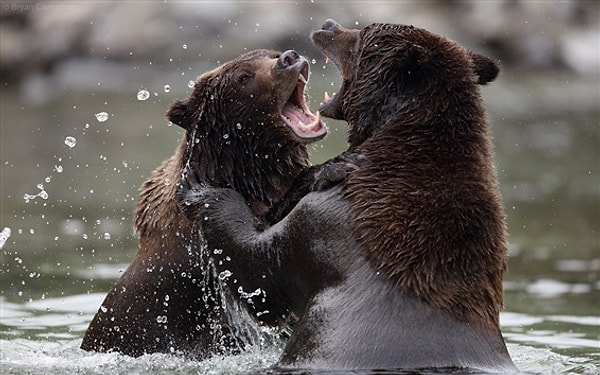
(69, 183)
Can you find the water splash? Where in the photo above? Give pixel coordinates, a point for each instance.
(42, 194)
(143, 95)
(101, 116)
(70, 141)
(225, 275)
(4, 236)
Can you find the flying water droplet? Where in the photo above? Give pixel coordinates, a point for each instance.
(42, 194)
(101, 116)
(191, 84)
(143, 95)
(70, 141)
(167, 88)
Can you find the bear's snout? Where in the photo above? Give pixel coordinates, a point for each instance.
(288, 58)
(330, 25)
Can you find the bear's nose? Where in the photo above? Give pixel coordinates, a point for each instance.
(329, 25)
(287, 59)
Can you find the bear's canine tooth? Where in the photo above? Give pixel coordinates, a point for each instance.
(301, 78)
(309, 127)
(302, 126)
(327, 60)
(326, 96)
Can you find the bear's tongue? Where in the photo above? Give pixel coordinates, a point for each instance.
(296, 114)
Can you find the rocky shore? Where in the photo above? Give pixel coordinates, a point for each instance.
(47, 48)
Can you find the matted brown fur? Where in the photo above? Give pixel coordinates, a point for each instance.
(401, 265)
(169, 299)
(426, 202)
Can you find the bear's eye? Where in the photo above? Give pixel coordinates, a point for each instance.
(244, 78)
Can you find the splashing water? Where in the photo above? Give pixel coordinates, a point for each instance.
(70, 141)
(101, 116)
(143, 95)
(4, 235)
(42, 194)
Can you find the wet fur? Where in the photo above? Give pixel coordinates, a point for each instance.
(169, 300)
(401, 265)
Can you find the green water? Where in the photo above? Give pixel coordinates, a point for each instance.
(64, 252)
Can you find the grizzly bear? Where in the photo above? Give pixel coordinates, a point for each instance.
(247, 126)
(399, 266)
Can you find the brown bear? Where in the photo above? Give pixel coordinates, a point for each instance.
(247, 126)
(400, 266)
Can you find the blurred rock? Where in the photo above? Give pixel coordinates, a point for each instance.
(45, 46)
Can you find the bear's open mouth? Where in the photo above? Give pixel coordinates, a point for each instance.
(307, 126)
(331, 105)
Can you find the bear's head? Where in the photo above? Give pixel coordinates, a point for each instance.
(258, 89)
(403, 63)
(248, 122)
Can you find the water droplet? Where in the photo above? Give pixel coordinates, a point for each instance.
(167, 88)
(225, 274)
(184, 46)
(143, 95)
(106, 236)
(238, 125)
(313, 61)
(101, 116)
(191, 84)
(225, 136)
(70, 141)
(103, 309)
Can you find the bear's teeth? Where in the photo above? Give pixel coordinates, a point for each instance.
(309, 127)
(327, 60)
(326, 96)
(301, 78)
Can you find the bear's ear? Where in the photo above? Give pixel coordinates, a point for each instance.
(486, 69)
(418, 55)
(181, 114)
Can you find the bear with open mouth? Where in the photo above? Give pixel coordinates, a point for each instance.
(399, 266)
(247, 125)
